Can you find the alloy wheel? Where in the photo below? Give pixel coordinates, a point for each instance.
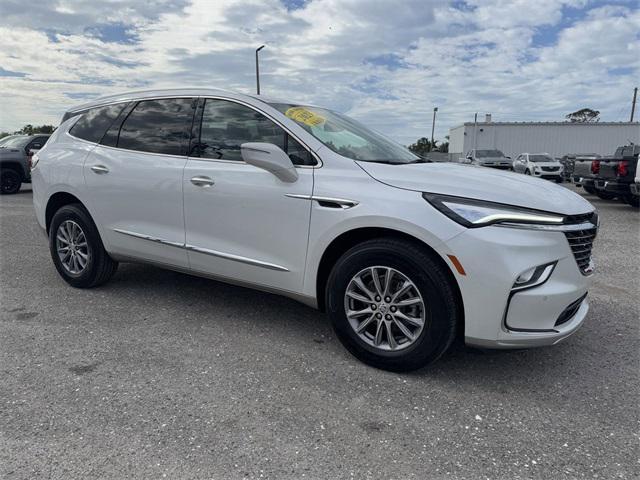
(385, 308)
(72, 247)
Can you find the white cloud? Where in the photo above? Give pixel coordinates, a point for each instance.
(387, 63)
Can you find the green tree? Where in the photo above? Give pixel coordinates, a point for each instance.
(422, 146)
(31, 130)
(584, 115)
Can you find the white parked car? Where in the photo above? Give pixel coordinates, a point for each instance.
(540, 165)
(299, 200)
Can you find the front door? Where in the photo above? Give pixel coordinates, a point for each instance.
(240, 222)
(135, 181)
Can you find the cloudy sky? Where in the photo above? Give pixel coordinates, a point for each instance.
(387, 63)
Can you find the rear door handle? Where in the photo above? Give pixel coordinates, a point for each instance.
(202, 181)
(100, 169)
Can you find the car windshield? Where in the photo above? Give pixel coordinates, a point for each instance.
(16, 142)
(345, 136)
(541, 158)
(489, 153)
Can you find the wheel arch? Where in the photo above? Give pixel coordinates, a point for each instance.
(57, 201)
(351, 238)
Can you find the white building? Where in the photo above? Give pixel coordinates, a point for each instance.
(555, 138)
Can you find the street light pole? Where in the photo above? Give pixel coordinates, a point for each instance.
(433, 125)
(258, 70)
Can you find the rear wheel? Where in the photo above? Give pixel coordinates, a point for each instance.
(77, 250)
(605, 195)
(392, 305)
(590, 190)
(10, 181)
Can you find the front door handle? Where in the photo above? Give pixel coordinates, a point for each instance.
(202, 181)
(100, 169)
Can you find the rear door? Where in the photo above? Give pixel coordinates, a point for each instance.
(242, 222)
(134, 179)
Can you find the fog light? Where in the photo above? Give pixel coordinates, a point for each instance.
(533, 277)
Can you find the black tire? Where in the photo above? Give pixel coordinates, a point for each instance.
(559, 180)
(605, 195)
(527, 172)
(100, 266)
(10, 181)
(590, 190)
(632, 200)
(442, 312)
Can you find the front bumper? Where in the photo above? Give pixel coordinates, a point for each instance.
(497, 317)
(613, 186)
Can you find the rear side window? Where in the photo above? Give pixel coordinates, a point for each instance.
(94, 123)
(227, 125)
(158, 126)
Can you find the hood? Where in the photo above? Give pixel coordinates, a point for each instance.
(480, 183)
(546, 164)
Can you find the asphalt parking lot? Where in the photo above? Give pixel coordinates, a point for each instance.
(162, 374)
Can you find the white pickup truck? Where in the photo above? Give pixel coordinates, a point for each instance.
(487, 158)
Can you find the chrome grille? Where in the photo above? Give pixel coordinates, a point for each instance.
(581, 243)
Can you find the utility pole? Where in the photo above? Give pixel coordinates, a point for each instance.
(258, 70)
(475, 132)
(433, 126)
(633, 104)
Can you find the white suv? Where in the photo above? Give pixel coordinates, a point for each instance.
(301, 201)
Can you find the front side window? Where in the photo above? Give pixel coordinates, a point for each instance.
(345, 136)
(157, 126)
(94, 123)
(227, 125)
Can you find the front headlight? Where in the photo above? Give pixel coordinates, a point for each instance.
(477, 213)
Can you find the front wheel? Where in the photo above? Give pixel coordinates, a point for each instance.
(527, 172)
(77, 250)
(392, 305)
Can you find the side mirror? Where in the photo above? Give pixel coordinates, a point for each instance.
(271, 158)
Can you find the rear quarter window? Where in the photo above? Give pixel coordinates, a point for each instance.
(95, 122)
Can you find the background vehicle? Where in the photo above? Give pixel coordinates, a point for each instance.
(583, 166)
(487, 158)
(15, 156)
(4, 140)
(616, 176)
(305, 202)
(540, 165)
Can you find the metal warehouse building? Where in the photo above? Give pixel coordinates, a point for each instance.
(555, 138)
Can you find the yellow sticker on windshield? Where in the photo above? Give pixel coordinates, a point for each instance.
(302, 115)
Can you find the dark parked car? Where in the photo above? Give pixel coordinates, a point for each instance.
(616, 178)
(15, 157)
(583, 166)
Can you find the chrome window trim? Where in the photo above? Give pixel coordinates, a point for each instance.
(216, 97)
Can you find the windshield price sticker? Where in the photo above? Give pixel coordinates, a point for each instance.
(302, 115)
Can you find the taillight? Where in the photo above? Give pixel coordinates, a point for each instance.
(623, 168)
(595, 167)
